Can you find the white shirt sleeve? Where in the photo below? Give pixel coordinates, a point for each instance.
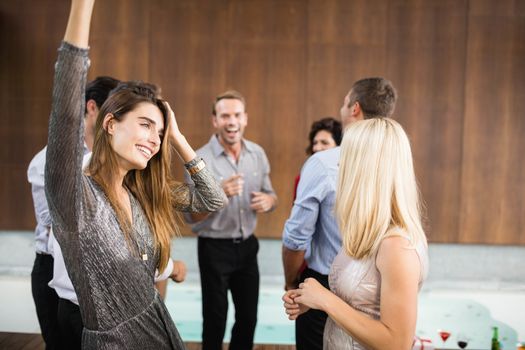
(166, 273)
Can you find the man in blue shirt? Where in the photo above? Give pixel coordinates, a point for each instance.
(311, 233)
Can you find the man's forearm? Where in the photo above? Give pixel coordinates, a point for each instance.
(292, 262)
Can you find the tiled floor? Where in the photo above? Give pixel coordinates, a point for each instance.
(27, 341)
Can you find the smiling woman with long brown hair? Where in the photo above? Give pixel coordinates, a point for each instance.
(114, 222)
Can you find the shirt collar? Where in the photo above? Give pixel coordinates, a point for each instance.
(217, 148)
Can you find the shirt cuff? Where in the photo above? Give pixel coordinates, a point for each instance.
(295, 245)
(166, 273)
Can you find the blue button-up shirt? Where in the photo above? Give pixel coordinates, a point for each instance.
(312, 226)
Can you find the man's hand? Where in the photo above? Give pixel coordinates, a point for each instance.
(262, 202)
(233, 185)
(179, 271)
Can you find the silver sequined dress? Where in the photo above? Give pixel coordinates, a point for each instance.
(118, 302)
(358, 282)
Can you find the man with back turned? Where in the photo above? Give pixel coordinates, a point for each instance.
(311, 231)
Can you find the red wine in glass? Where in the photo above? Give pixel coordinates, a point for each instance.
(444, 335)
(462, 344)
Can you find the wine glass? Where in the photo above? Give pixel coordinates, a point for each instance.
(462, 340)
(444, 335)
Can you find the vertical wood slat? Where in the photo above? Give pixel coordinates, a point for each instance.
(493, 170)
(426, 61)
(26, 70)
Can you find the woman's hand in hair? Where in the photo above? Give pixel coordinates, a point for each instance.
(174, 131)
(182, 146)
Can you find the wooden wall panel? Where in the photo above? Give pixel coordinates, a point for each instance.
(120, 39)
(26, 71)
(458, 66)
(426, 62)
(219, 46)
(272, 67)
(493, 170)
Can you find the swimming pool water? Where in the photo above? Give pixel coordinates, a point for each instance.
(457, 312)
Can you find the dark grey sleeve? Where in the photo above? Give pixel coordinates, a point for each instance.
(204, 195)
(63, 173)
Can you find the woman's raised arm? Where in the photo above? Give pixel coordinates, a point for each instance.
(65, 150)
(77, 30)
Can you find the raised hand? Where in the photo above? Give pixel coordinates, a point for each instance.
(233, 185)
(183, 148)
(79, 22)
(174, 130)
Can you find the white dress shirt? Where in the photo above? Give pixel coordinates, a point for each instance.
(35, 176)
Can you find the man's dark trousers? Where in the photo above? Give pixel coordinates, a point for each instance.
(229, 264)
(46, 300)
(309, 327)
(70, 325)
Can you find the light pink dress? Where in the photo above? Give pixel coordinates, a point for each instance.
(358, 282)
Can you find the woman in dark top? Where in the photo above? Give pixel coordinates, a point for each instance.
(114, 222)
(324, 134)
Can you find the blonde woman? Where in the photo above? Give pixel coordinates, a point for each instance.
(375, 278)
(114, 223)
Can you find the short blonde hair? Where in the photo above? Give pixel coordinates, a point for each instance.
(377, 194)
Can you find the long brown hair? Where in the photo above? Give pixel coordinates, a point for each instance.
(152, 185)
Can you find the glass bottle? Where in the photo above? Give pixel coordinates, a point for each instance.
(495, 339)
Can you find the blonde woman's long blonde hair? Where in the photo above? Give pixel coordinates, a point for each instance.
(377, 194)
(151, 186)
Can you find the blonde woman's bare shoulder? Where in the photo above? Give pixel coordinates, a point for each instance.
(397, 252)
(397, 232)
(395, 241)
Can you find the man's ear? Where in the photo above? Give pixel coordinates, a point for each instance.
(109, 123)
(356, 109)
(91, 108)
